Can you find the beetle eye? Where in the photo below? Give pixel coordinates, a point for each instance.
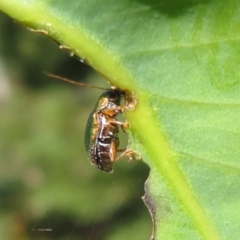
(113, 95)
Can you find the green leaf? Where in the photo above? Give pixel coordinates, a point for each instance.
(181, 59)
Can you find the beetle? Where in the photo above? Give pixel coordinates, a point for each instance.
(101, 134)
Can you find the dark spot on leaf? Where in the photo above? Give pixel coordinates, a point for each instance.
(151, 207)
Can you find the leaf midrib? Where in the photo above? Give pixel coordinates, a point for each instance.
(164, 159)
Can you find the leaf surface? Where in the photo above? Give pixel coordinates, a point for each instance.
(181, 59)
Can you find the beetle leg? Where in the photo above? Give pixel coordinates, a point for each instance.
(131, 154)
(113, 111)
(113, 150)
(130, 102)
(123, 125)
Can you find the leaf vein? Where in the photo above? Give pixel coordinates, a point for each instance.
(219, 164)
(195, 102)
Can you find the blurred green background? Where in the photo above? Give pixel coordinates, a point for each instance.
(48, 189)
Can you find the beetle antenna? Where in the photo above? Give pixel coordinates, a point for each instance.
(73, 82)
